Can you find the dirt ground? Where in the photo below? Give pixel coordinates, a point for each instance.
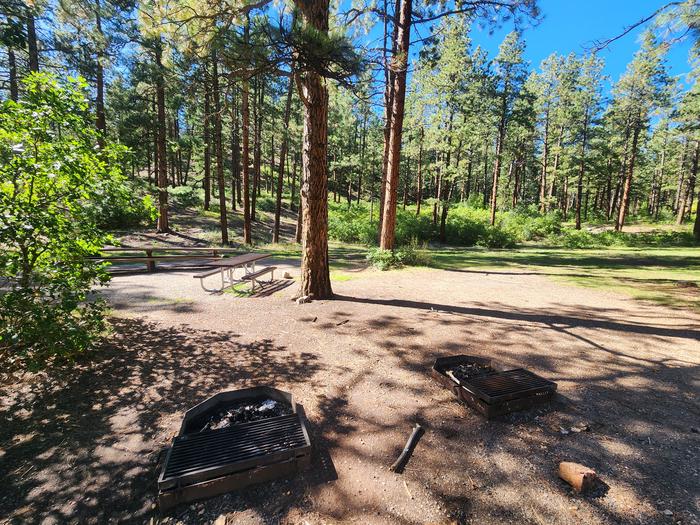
(84, 444)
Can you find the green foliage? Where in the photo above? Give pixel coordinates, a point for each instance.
(585, 239)
(53, 177)
(408, 255)
(465, 226)
(526, 223)
(351, 224)
(185, 195)
(125, 203)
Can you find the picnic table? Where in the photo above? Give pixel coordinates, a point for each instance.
(227, 269)
(153, 254)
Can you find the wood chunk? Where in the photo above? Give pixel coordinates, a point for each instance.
(581, 478)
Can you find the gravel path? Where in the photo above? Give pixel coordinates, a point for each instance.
(84, 445)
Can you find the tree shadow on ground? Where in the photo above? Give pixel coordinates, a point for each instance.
(96, 431)
(85, 444)
(640, 410)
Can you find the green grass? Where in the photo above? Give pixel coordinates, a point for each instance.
(668, 276)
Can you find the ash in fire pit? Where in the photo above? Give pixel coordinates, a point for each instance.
(464, 371)
(245, 411)
(232, 440)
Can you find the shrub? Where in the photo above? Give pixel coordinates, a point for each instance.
(351, 224)
(266, 203)
(51, 187)
(495, 237)
(526, 223)
(125, 203)
(586, 239)
(408, 255)
(186, 196)
(410, 228)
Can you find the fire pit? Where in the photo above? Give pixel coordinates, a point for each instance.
(232, 440)
(478, 383)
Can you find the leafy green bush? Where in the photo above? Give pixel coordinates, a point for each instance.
(125, 204)
(53, 177)
(266, 203)
(408, 255)
(495, 237)
(383, 259)
(586, 239)
(351, 224)
(410, 228)
(526, 223)
(186, 196)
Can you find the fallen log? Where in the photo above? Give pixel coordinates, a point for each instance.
(581, 478)
(403, 458)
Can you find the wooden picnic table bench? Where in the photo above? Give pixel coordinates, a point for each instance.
(175, 253)
(228, 266)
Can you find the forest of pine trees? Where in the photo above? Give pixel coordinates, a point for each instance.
(232, 100)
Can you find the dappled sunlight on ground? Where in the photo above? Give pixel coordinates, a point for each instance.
(85, 443)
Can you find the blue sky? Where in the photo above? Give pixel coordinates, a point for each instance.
(571, 25)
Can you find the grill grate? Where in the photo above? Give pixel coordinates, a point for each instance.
(495, 392)
(511, 384)
(194, 457)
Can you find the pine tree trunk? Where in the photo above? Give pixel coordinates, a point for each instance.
(315, 274)
(681, 178)
(235, 150)
(32, 43)
(101, 119)
(685, 206)
(12, 66)
(256, 151)
(419, 181)
(207, 147)
(624, 203)
(696, 226)
(581, 172)
(283, 157)
(399, 67)
(163, 225)
(389, 91)
(497, 166)
(219, 151)
(293, 206)
(545, 157)
(245, 116)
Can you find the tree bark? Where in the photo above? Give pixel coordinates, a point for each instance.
(400, 67)
(101, 119)
(12, 66)
(419, 181)
(207, 146)
(497, 164)
(235, 148)
(581, 171)
(389, 91)
(683, 205)
(245, 116)
(624, 203)
(219, 151)
(315, 274)
(163, 225)
(696, 226)
(545, 157)
(283, 158)
(32, 43)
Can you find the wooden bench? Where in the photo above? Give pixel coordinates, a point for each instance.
(253, 277)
